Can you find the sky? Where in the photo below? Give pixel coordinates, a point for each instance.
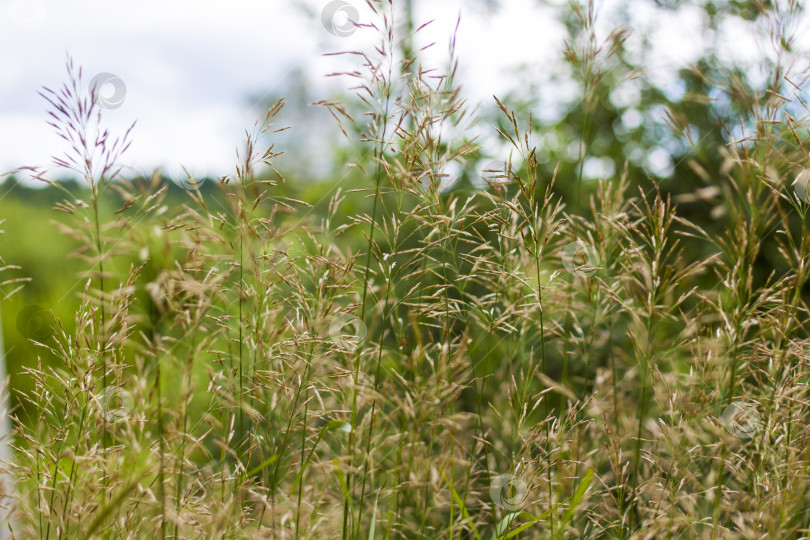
(193, 75)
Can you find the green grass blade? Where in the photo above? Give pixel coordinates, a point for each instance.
(259, 468)
(576, 499)
(373, 519)
(334, 424)
(108, 509)
(462, 507)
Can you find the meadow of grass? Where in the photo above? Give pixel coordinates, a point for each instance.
(399, 356)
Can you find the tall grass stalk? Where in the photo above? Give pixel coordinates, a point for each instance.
(493, 384)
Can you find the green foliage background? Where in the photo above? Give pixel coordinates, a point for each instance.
(728, 210)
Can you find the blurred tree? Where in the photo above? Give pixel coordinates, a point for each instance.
(670, 133)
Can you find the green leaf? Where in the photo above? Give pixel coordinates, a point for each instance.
(461, 507)
(576, 499)
(504, 524)
(342, 481)
(509, 518)
(107, 509)
(525, 526)
(334, 424)
(259, 468)
(373, 519)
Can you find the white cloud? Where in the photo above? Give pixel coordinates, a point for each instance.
(192, 66)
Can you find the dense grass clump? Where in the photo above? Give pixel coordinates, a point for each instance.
(421, 355)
